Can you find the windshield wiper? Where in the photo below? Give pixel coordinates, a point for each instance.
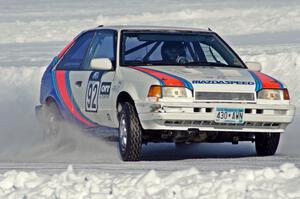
(138, 63)
(152, 63)
(211, 64)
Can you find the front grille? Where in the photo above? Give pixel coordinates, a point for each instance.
(224, 96)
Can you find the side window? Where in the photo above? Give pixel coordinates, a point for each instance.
(103, 46)
(74, 57)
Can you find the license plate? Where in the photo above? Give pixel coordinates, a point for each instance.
(230, 115)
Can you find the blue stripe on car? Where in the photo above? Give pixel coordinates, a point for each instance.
(258, 83)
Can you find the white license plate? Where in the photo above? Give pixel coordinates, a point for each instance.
(230, 115)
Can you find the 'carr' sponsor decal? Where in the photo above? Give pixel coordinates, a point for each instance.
(105, 88)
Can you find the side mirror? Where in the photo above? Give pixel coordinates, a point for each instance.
(254, 66)
(101, 64)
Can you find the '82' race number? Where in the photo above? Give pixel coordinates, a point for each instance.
(91, 98)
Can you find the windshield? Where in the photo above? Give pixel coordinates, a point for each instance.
(179, 48)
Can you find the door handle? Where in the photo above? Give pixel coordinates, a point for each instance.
(78, 83)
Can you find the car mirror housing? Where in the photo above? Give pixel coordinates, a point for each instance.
(101, 64)
(254, 66)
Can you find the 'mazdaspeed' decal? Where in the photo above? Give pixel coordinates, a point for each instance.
(222, 82)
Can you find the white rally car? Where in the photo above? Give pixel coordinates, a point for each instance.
(163, 84)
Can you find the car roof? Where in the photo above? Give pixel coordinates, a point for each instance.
(160, 28)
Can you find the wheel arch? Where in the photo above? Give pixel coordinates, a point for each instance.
(51, 100)
(124, 97)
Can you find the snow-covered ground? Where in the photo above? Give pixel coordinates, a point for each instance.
(282, 182)
(32, 32)
(32, 21)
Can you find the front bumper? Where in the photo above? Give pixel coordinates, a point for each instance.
(184, 116)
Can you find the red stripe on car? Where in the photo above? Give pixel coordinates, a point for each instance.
(267, 82)
(63, 91)
(167, 79)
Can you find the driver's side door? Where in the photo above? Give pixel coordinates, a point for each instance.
(96, 100)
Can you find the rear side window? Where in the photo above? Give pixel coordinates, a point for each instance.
(74, 57)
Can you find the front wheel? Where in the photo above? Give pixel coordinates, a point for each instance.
(130, 133)
(266, 143)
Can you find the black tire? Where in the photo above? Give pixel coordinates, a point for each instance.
(130, 146)
(266, 143)
(52, 121)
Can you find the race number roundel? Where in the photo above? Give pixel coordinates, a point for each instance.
(92, 90)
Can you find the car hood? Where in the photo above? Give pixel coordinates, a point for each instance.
(202, 78)
(211, 78)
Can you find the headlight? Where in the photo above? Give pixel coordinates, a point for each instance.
(174, 92)
(273, 94)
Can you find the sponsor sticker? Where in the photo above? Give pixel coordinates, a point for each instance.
(105, 88)
(230, 82)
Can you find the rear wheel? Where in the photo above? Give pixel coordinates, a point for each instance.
(52, 120)
(130, 133)
(266, 143)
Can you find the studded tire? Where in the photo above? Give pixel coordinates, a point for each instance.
(266, 143)
(129, 123)
(52, 121)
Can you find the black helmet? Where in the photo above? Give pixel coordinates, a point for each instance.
(171, 50)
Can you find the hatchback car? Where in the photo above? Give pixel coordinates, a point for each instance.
(163, 84)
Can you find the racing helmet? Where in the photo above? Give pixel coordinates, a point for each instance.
(172, 50)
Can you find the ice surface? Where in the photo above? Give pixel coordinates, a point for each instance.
(32, 32)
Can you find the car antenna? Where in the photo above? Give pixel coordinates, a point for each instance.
(209, 29)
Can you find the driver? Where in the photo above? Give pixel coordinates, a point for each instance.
(173, 52)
